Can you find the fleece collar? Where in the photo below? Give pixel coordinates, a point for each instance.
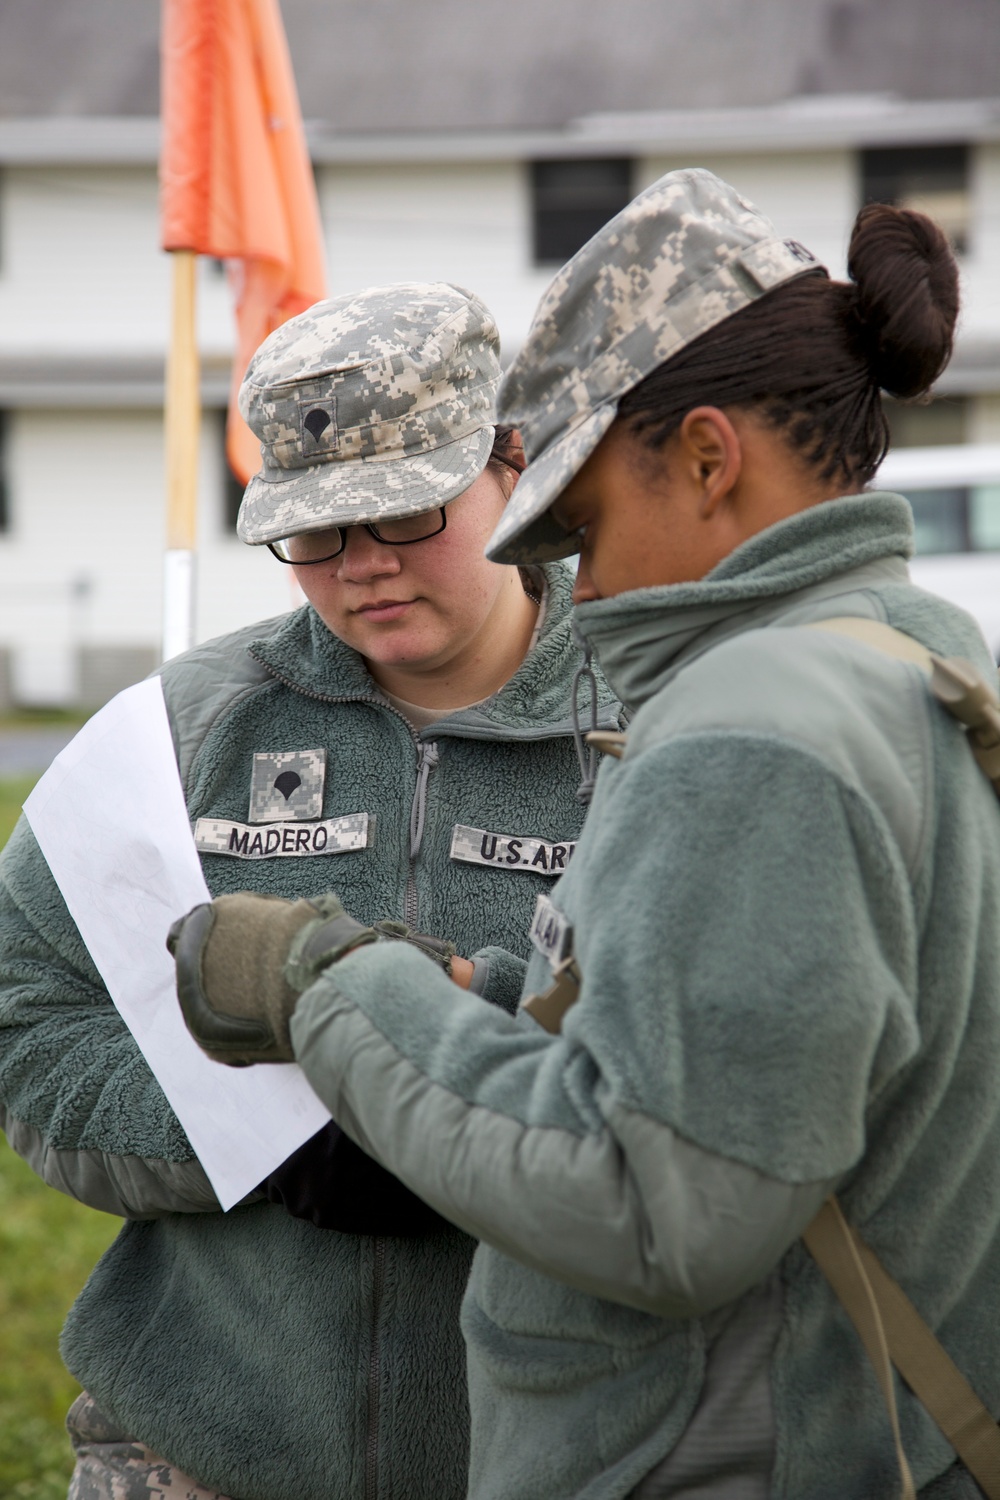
(642, 638)
(534, 704)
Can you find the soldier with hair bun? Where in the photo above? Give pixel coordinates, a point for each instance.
(772, 971)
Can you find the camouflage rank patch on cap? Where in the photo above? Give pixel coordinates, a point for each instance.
(684, 255)
(319, 428)
(376, 405)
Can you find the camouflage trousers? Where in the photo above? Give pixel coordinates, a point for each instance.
(112, 1466)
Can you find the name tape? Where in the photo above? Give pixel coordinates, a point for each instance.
(550, 931)
(283, 840)
(478, 846)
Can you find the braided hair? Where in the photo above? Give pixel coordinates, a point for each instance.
(811, 357)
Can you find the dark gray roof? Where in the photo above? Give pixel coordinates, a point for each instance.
(451, 65)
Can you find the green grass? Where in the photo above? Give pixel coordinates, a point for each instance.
(48, 1246)
(42, 718)
(12, 794)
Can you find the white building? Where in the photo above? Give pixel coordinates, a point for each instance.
(450, 145)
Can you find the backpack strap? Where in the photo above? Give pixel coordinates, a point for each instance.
(887, 1321)
(551, 1005)
(880, 1310)
(956, 684)
(835, 1250)
(885, 638)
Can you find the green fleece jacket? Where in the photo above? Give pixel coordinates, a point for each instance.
(271, 1359)
(786, 908)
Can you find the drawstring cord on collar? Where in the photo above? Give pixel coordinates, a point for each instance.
(429, 758)
(585, 754)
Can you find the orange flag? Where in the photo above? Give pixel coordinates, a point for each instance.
(235, 177)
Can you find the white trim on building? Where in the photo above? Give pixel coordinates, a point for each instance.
(84, 318)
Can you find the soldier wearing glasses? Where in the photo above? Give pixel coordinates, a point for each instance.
(388, 739)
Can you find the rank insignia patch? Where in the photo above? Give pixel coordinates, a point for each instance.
(287, 785)
(477, 846)
(319, 427)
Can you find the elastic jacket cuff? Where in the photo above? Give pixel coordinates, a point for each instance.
(498, 976)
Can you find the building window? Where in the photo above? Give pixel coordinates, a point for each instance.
(572, 200)
(232, 488)
(956, 519)
(951, 518)
(944, 421)
(931, 179)
(4, 471)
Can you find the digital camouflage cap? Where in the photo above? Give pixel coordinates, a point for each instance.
(379, 404)
(684, 255)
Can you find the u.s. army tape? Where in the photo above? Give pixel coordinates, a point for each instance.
(507, 851)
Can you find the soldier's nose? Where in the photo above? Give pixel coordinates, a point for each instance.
(363, 557)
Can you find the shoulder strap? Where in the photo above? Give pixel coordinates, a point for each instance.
(551, 1005)
(832, 1246)
(887, 1322)
(884, 638)
(956, 684)
(852, 1268)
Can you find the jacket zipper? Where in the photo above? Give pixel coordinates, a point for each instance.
(427, 759)
(374, 1372)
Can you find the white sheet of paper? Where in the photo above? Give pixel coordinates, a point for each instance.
(110, 819)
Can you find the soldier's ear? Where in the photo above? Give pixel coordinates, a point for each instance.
(710, 454)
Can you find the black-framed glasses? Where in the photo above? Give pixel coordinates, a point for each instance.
(321, 546)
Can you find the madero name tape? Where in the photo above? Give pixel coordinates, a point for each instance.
(283, 840)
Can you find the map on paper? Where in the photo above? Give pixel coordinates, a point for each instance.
(110, 819)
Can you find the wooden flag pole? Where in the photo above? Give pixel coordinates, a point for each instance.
(182, 419)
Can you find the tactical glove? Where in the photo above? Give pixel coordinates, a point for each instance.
(242, 962)
(437, 949)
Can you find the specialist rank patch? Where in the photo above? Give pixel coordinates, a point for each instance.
(287, 784)
(283, 840)
(506, 851)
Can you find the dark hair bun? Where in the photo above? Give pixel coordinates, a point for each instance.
(906, 296)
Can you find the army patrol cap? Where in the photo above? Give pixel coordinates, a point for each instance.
(684, 255)
(370, 406)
